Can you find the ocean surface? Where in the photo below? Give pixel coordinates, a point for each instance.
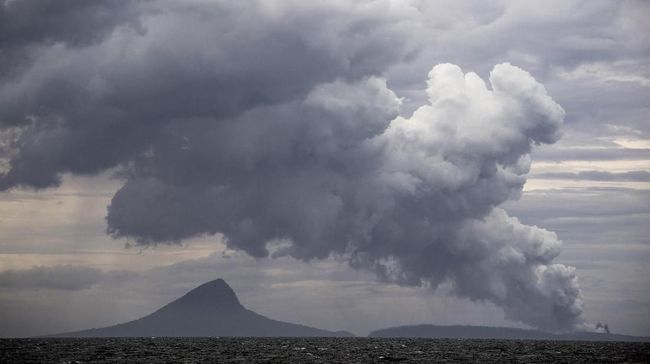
(316, 350)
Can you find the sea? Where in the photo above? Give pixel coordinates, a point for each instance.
(316, 350)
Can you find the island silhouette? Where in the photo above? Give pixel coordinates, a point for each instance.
(497, 333)
(213, 310)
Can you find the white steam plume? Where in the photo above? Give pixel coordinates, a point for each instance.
(413, 199)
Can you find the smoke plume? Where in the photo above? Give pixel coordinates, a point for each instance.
(263, 133)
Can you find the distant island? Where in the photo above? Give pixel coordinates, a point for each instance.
(504, 333)
(211, 309)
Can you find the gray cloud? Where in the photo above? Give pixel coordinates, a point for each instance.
(26, 26)
(86, 109)
(276, 124)
(61, 277)
(52, 21)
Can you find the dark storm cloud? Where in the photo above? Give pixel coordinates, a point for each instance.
(271, 122)
(86, 109)
(62, 277)
(27, 25)
(52, 21)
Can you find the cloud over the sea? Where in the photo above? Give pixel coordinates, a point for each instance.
(273, 123)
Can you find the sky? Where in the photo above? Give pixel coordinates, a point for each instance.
(349, 165)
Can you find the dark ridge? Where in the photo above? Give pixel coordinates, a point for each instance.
(503, 333)
(212, 309)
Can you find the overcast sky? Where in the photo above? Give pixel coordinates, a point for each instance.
(349, 165)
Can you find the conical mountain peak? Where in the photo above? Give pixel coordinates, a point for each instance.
(216, 294)
(211, 309)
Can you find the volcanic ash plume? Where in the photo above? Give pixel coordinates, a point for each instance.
(283, 129)
(413, 199)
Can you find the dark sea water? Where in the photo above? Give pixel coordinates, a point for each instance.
(316, 350)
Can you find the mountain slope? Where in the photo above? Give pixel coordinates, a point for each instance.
(211, 309)
(484, 332)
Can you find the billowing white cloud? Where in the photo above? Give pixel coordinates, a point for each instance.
(412, 199)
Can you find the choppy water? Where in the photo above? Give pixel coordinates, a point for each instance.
(316, 350)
